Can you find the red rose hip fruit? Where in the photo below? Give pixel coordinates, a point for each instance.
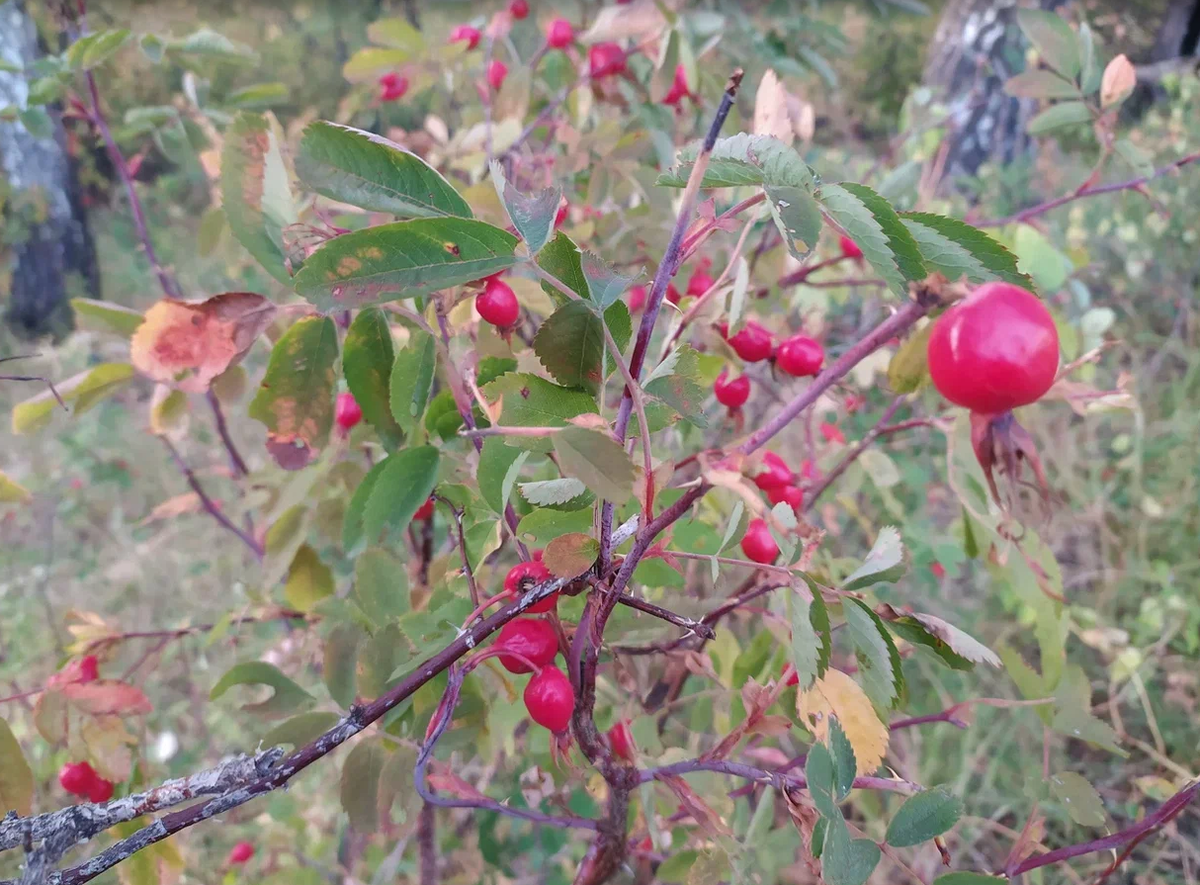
(800, 355)
(731, 393)
(89, 668)
(425, 511)
(753, 343)
(699, 283)
(620, 738)
(995, 350)
(518, 9)
(77, 778)
(465, 33)
(496, 73)
(497, 303)
(100, 790)
(392, 86)
(530, 638)
(791, 494)
(679, 87)
(241, 853)
(347, 412)
(529, 573)
(757, 543)
(560, 34)
(606, 60)
(637, 298)
(849, 248)
(550, 699)
(774, 474)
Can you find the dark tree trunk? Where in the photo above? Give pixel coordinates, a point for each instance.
(55, 258)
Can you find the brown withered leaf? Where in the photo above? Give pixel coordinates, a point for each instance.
(189, 343)
(570, 555)
(107, 696)
(1119, 79)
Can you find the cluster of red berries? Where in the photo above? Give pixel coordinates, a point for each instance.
(799, 355)
(780, 484)
(80, 779)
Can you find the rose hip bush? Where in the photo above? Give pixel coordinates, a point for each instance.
(549, 479)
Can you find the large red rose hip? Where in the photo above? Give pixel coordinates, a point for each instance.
(774, 473)
(550, 699)
(497, 303)
(731, 393)
(522, 576)
(532, 639)
(753, 343)
(606, 59)
(994, 350)
(800, 355)
(757, 543)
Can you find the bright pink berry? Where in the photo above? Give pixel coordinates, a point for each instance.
(757, 543)
(532, 639)
(77, 778)
(679, 88)
(496, 73)
(791, 494)
(800, 355)
(731, 393)
(530, 573)
(849, 248)
(833, 433)
(673, 294)
(89, 668)
(497, 303)
(606, 59)
(470, 35)
(753, 343)
(519, 9)
(774, 473)
(425, 511)
(550, 699)
(560, 34)
(392, 86)
(937, 570)
(699, 283)
(241, 853)
(637, 298)
(100, 790)
(346, 412)
(620, 738)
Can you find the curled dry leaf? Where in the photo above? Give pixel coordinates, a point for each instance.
(189, 343)
(836, 694)
(180, 505)
(107, 697)
(771, 116)
(1118, 81)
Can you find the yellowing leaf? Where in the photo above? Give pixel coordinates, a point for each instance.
(189, 343)
(168, 412)
(81, 392)
(12, 492)
(108, 743)
(16, 778)
(309, 580)
(836, 694)
(188, 502)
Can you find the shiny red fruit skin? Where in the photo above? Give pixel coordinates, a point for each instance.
(995, 350)
(792, 494)
(679, 87)
(425, 511)
(731, 393)
(757, 543)
(392, 86)
(606, 59)
(753, 343)
(536, 572)
(550, 699)
(620, 738)
(637, 298)
(465, 32)
(497, 304)
(800, 355)
(774, 474)
(346, 412)
(100, 790)
(530, 638)
(560, 34)
(77, 778)
(89, 668)
(518, 9)
(241, 853)
(849, 247)
(699, 283)
(496, 73)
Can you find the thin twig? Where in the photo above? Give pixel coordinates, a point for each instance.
(691, 625)
(851, 456)
(235, 458)
(209, 505)
(763, 775)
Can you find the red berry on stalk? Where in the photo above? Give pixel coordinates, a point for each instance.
(347, 412)
(637, 298)
(425, 511)
(606, 59)
(77, 778)
(620, 738)
(849, 248)
(550, 699)
(731, 393)
(679, 87)
(994, 350)
(530, 638)
(461, 33)
(757, 543)
(753, 343)
(392, 86)
(529, 573)
(100, 790)
(497, 303)
(519, 9)
(800, 355)
(699, 283)
(833, 433)
(241, 853)
(774, 473)
(496, 73)
(560, 34)
(791, 494)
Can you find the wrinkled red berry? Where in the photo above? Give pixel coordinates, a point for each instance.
(461, 33)
(753, 343)
(731, 393)
(560, 34)
(757, 543)
(620, 738)
(530, 638)
(241, 853)
(606, 59)
(77, 778)
(392, 86)
(800, 355)
(519, 9)
(496, 73)
(774, 473)
(346, 412)
(849, 247)
(550, 699)
(497, 303)
(637, 298)
(529, 573)
(995, 350)
(791, 494)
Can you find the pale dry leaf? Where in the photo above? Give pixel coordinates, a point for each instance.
(836, 694)
(804, 117)
(771, 109)
(180, 505)
(640, 20)
(960, 642)
(1118, 81)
